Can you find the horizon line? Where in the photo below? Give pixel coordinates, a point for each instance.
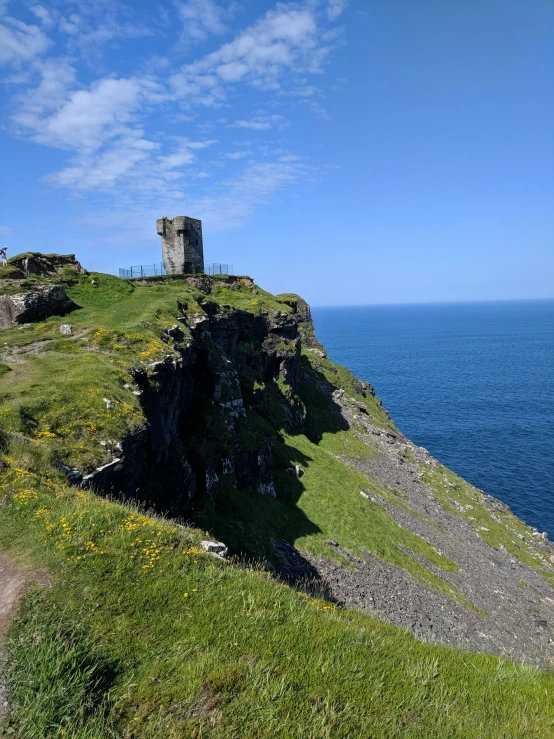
(436, 302)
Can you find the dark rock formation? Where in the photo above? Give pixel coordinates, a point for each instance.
(34, 305)
(212, 442)
(24, 298)
(198, 427)
(46, 265)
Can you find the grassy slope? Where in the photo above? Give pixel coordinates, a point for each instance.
(239, 655)
(56, 397)
(144, 636)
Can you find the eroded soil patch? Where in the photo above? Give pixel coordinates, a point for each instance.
(12, 585)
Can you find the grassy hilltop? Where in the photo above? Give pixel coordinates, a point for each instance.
(139, 632)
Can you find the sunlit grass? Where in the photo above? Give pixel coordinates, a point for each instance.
(143, 634)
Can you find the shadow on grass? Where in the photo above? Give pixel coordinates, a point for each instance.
(261, 527)
(228, 466)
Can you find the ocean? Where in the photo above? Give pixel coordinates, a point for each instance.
(471, 382)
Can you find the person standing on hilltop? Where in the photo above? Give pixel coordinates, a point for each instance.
(3, 253)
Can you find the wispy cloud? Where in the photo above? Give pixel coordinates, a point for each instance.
(110, 31)
(239, 197)
(201, 18)
(317, 108)
(87, 27)
(90, 25)
(132, 163)
(44, 16)
(106, 124)
(235, 155)
(83, 119)
(226, 205)
(284, 41)
(335, 8)
(20, 42)
(262, 123)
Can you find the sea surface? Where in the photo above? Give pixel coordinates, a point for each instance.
(471, 382)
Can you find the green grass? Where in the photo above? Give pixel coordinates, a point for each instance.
(70, 416)
(8, 272)
(498, 528)
(242, 298)
(55, 401)
(308, 512)
(13, 281)
(115, 648)
(142, 634)
(320, 370)
(54, 395)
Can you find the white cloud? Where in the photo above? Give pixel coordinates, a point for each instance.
(304, 90)
(104, 124)
(43, 15)
(335, 8)
(315, 107)
(57, 77)
(20, 42)
(261, 122)
(95, 24)
(238, 154)
(232, 71)
(201, 18)
(70, 25)
(84, 119)
(237, 198)
(227, 203)
(284, 41)
(183, 156)
(130, 163)
(112, 31)
(105, 170)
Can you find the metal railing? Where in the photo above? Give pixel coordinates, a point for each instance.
(219, 269)
(142, 270)
(155, 270)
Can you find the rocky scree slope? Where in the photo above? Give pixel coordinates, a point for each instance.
(213, 401)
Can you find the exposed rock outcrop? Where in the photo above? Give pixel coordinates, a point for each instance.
(34, 305)
(220, 418)
(46, 265)
(196, 407)
(24, 299)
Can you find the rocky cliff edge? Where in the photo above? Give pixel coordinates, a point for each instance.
(213, 401)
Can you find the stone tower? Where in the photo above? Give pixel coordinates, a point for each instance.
(182, 247)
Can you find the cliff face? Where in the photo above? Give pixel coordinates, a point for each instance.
(205, 410)
(213, 400)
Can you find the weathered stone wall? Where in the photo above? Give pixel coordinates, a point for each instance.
(182, 244)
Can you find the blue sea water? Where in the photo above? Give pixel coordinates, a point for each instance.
(471, 382)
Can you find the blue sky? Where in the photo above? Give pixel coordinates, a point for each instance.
(354, 151)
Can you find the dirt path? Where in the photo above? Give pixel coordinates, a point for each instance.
(12, 584)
